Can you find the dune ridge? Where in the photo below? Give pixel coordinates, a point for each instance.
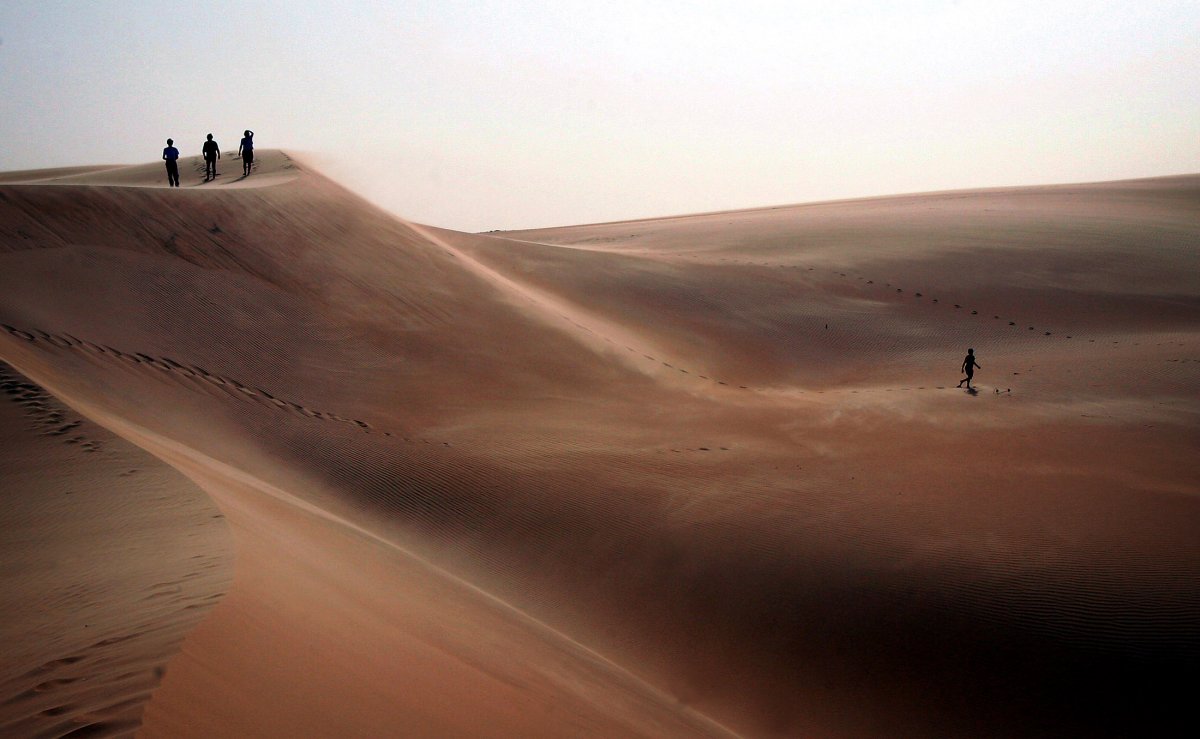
(702, 475)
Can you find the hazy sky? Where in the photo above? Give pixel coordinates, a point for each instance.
(478, 115)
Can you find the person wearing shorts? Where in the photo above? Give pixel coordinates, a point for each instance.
(968, 368)
(246, 149)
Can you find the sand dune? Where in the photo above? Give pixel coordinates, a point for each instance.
(110, 558)
(701, 475)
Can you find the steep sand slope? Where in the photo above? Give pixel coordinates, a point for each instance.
(329, 342)
(109, 558)
(660, 477)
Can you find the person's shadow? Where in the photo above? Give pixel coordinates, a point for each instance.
(972, 391)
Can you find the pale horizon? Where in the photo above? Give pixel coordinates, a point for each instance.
(480, 116)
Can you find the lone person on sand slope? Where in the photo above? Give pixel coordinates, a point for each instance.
(968, 368)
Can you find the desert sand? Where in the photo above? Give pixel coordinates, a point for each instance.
(278, 463)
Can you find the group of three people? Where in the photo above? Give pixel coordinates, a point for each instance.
(211, 153)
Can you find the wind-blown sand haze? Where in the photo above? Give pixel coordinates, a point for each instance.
(278, 463)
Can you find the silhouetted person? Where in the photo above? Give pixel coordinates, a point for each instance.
(212, 153)
(246, 149)
(968, 368)
(171, 157)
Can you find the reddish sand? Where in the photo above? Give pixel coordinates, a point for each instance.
(703, 475)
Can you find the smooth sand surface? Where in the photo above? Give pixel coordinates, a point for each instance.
(692, 476)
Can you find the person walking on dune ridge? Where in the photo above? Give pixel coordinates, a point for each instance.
(171, 157)
(212, 153)
(246, 149)
(968, 368)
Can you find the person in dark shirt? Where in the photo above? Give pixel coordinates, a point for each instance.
(968, 368)
(171, 157)
(212, 153)
(246, 149)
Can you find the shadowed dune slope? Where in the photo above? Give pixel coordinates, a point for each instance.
(689, 476)
(110, 558)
